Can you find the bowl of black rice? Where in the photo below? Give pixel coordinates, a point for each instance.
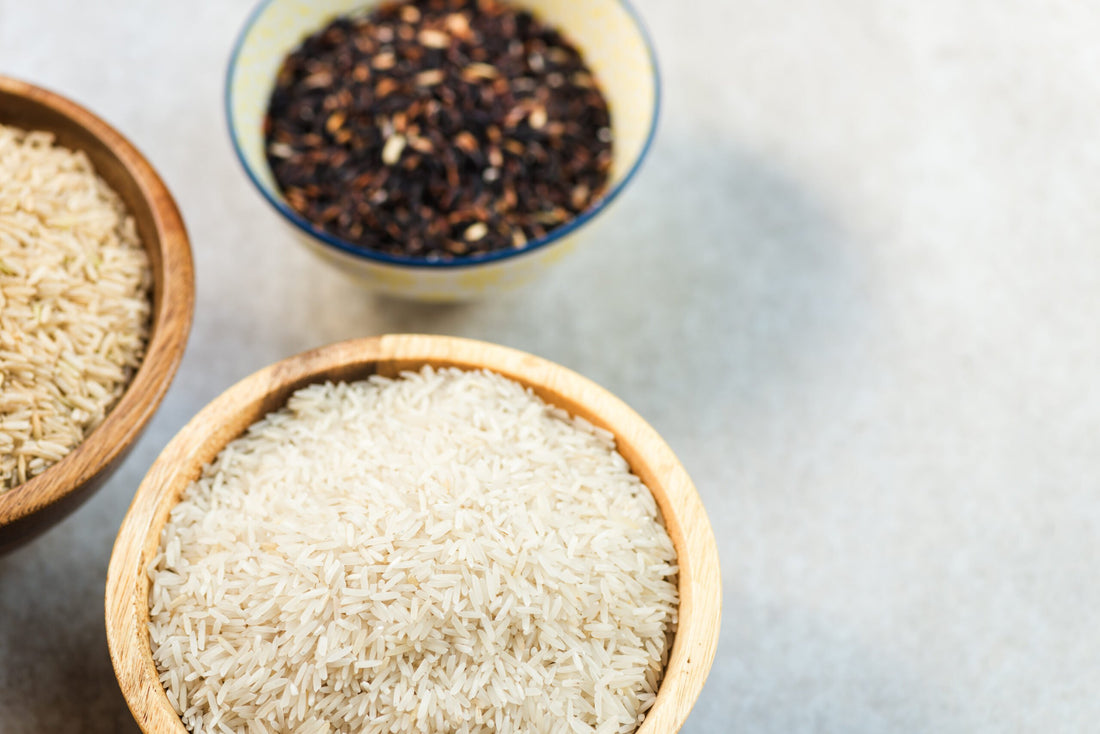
(442, 149)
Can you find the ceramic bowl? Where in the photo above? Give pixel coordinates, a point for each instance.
(616, 47)
(38, 503)
(224, 419)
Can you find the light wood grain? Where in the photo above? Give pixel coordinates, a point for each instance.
(37, 504)
(127, 610)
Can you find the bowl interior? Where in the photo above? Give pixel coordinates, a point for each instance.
(250, 399)
(606, 31)
(43, 500)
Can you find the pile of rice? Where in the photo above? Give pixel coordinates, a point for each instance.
(74, 302)
(443, 552)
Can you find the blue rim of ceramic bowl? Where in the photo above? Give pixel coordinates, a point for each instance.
(368, 254)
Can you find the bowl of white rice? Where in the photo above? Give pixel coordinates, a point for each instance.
(96, 292)
(414, 533)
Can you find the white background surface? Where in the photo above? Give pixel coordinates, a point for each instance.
(855, 287)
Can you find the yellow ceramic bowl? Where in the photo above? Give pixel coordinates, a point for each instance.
(616, 48)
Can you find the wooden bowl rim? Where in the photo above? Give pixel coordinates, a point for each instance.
(127, 607)
(169, 329)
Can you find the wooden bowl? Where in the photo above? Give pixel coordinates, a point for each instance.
(224, 419)
(40, 502)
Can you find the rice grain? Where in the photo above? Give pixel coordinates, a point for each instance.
(443, 552)
(74, 301)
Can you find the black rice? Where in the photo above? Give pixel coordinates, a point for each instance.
(438, 129)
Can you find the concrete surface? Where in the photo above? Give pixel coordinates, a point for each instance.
(855, 287)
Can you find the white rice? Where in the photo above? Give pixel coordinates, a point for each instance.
(439, 553)
(74, 302)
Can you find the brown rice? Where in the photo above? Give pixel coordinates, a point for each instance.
(74, 301)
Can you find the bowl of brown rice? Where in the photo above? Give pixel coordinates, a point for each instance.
(414, 533)
(96, 292)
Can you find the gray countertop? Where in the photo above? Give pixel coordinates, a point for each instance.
(855, 287)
